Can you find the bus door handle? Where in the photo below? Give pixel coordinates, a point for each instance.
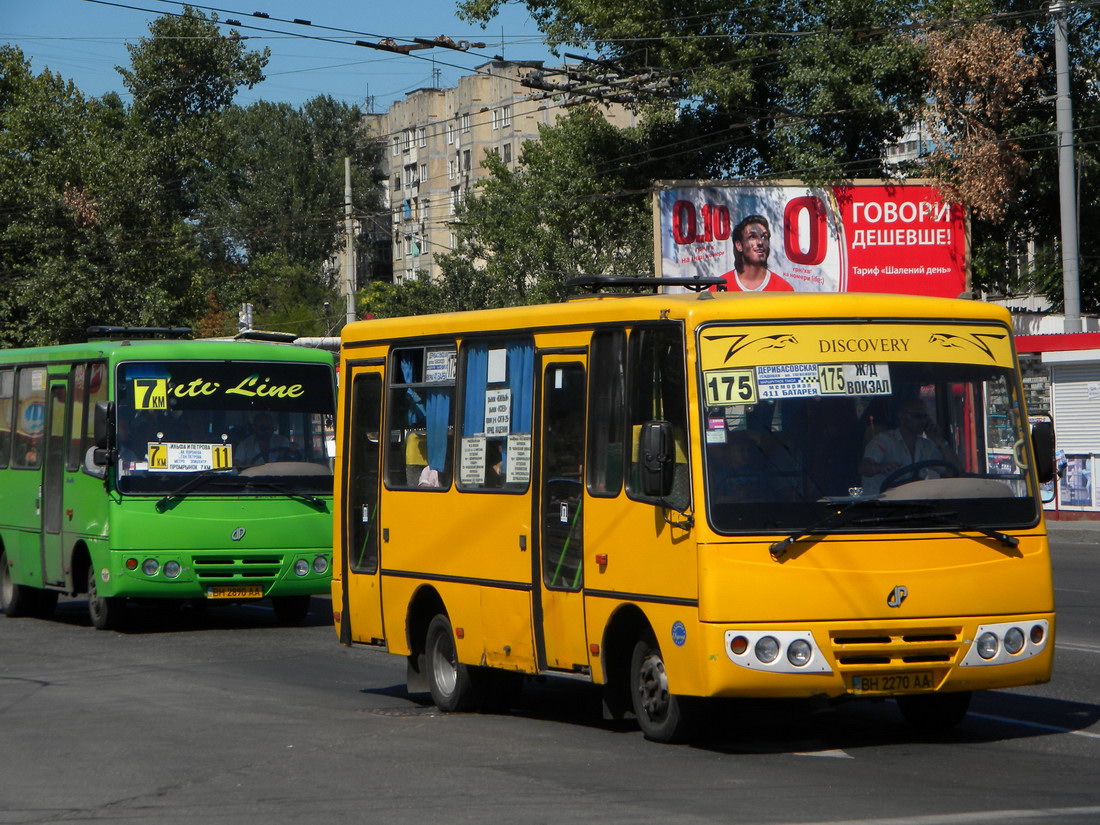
(38, 502)
(386, 534)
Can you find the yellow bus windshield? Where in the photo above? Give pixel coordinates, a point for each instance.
(927, 420)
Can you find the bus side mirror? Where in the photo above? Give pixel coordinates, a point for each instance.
(657, 452)
(104, 421)
(1042, 444)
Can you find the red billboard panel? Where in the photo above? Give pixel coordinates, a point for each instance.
(860, 237)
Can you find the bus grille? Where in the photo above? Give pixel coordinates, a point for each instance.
(893, 648)
(223, 567)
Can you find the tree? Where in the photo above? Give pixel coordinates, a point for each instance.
(575, 205)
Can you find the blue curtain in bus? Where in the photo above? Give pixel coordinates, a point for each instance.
(473, 402)
(521, 368)
(438, 409)
(414, 412)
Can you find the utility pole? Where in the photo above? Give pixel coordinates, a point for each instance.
(1067, 172)
(349, 245)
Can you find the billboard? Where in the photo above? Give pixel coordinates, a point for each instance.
(866, 236)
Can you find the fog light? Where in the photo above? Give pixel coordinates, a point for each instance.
(171, 569)
(738, 645)
(150, 567)
(799, 653)
(1037, 633)
(320, 564)
(301, 567)
(767, 649)
(1014, 640)
(131, 564)
(987, 645)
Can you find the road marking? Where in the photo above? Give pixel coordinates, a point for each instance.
(964, 818)
(1077, 647)
(834, 753)
(1039, 725)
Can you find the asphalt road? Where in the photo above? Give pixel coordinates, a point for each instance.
(225, 717)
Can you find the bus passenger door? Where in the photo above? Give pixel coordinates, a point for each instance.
(559, 614)
(53, 482)
(361, 610)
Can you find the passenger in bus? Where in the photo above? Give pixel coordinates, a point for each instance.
(263, 445)
(915, 439)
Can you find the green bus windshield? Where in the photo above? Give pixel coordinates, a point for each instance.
(254, 424)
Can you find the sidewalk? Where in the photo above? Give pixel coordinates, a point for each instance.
(1079, 532)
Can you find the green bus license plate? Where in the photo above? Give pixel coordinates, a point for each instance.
(246, 591)
(894, 682)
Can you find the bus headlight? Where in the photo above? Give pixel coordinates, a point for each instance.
(320, 564)
(987, 645)
(171, 569)
(150, 567)
(767, 649)
(1014, 640)
(799, 653)
(301, 567)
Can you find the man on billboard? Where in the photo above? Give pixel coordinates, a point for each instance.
(751, 248)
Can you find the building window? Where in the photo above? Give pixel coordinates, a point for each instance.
(455, 197)
(507, 152)
(423, 173)
(422, 136)
(506, 117)
(395, 141)
(397, 182)
(496, 119)
(466, 122)
(465, 160)
(450, 134)
(454, 241)
(452, 169)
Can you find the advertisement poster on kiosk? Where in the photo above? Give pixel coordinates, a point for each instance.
(866, 236)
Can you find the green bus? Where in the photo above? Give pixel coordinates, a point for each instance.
(144, 467)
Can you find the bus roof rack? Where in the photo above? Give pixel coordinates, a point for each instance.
(110, 333)
(265, 335)
(595, 283)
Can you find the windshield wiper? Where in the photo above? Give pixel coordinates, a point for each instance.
(189, 486)
(834, 519)
(286, 491)
(946, 519)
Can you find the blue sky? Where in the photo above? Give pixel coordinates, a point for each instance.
(85, 40)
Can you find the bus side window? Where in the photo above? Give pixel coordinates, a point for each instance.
(497, 399)
(7, 408)
(607, 379)
(658, 393)
(30, 417)
(421, 417)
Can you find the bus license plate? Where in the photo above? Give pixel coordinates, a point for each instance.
(246, 591)
(894, 682)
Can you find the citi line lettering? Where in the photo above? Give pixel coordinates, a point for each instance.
(252, 386)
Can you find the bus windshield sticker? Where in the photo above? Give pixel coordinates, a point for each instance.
(150, 393)
(854, 379)
(171, 457)
(518, 470)
(787, 381)
(498, 412)
(729, 387)
(472, 468)
(439, 365)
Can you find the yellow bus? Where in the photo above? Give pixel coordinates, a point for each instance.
(681, 496)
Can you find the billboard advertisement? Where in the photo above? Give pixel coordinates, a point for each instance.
(859, 237)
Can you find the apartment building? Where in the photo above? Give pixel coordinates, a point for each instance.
(435, 143)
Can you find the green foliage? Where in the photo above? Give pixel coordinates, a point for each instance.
(176, 209)
(576, 205)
